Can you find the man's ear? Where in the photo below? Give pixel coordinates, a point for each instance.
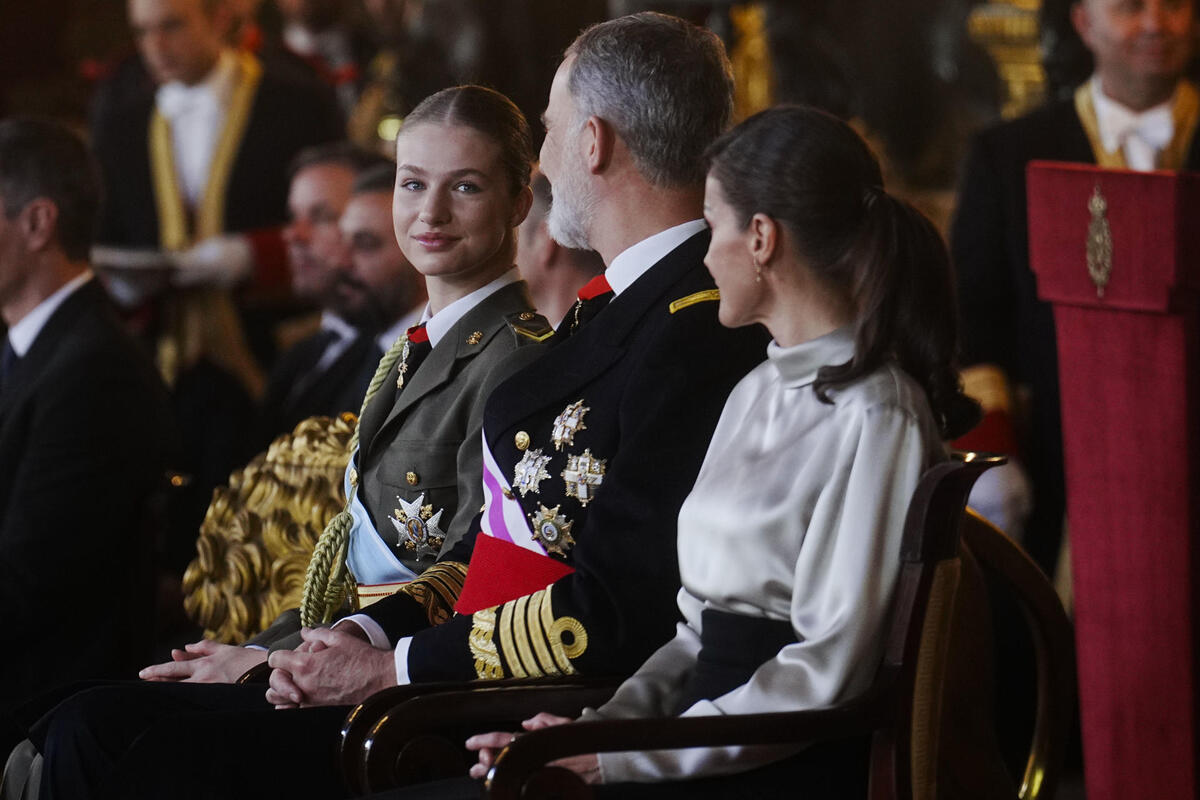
(599, 141)
(39, 223)
(1081, 22)
(762, 238)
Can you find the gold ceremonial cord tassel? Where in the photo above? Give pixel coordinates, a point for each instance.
(327, 582)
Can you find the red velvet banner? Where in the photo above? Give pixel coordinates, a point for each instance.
(1128, 367)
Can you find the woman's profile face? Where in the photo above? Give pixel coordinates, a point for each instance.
(452, 208)
(729, 260)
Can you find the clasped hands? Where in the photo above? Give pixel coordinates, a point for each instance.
(330, 667)
(489, 745)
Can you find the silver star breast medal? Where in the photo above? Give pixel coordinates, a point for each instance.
(530, 471)
(417, 526)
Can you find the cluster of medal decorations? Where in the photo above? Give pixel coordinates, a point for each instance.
(417, 524)
(584, 473)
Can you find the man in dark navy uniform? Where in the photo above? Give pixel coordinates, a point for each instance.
(591, 450)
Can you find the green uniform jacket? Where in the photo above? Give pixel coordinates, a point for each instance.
(425, 441)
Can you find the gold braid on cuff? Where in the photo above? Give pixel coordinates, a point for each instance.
(487, 662)
(437, 589)
(534, 643)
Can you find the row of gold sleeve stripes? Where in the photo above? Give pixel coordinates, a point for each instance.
(533, 643)
(437, 589)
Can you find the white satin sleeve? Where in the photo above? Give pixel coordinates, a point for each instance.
(844, 579)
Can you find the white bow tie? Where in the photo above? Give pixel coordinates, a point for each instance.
(1154, 127)
(174, 99)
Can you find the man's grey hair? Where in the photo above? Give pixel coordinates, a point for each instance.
(665, 85)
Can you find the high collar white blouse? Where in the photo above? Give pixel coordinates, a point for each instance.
(797, 514)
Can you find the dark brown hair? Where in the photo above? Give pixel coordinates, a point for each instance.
(814, 175)
(490, 113)
(350, 156)
(40, 158)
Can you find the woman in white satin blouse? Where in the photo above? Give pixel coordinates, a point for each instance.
(789, 544)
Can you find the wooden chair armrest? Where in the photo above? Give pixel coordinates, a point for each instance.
(1053, 640)
(423, 724)
(259, 673)
(520, 765)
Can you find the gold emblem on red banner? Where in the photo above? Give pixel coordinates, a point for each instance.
(1099, 242)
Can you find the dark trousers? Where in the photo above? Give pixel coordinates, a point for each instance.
(185, 741)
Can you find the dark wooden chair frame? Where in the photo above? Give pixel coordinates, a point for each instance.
(409, 734)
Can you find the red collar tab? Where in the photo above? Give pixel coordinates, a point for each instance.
(595, 287)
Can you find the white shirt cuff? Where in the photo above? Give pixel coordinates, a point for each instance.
(401, 657)
(255, 647)
(371, 628)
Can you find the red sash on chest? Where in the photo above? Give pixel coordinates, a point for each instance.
(501, 571)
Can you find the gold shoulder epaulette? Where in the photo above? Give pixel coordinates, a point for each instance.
(692, 299)
(530, 325)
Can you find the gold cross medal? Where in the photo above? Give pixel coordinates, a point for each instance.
(417, 526)
(568, 423)
(530, 471)
(583, 475)
(552, 530)
(403, 367)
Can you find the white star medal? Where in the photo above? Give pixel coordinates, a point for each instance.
(417, 527)
(530, 471)
(583, 475)
(568, 423)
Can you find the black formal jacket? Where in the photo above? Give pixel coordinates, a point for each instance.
(1003, 322)
(84, 433)
(288, 115)
(295, 391)
(654, 380)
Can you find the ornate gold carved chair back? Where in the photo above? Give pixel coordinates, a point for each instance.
(259, 532)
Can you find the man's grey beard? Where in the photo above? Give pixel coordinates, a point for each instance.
(570, 206)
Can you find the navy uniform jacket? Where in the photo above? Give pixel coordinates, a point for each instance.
(654, 377)
(84, 439)
(1003, 322)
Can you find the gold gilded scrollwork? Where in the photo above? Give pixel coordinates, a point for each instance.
(751, 60)
(1008, 30)
(259, 532)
